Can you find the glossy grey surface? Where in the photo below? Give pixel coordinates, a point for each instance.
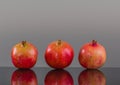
(112, 75)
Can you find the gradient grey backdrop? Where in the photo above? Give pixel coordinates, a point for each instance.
(75, 21)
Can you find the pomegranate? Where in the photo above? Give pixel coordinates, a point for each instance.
(92, 55)
(59, 54)
(24, 55)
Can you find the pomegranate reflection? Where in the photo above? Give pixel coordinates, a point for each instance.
(58, 77)
(91, 77)
(24, 77)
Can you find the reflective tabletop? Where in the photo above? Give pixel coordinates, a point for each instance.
(68, 76)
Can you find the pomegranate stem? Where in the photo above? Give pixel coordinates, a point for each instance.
(59, 42)
(23, 43)
(94, 42)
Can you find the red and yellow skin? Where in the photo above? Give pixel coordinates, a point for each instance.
(24, 77)
(24, 55)
(92, 55)
(58, 77)
(91, 77)
(59, 54)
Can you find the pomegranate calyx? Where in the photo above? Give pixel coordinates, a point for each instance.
(94, 42)
(24, 43)
(59, 42)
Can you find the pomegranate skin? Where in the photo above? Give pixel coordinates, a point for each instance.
(24, 55)
(92, 55)
(59, 54)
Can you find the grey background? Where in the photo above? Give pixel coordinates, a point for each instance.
(75, 21)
